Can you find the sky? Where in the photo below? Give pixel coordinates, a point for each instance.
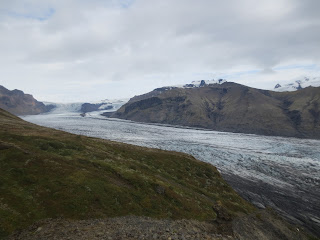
(81, 50)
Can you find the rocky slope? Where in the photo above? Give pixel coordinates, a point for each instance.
(19, 103)
(47, 173)
(260, 225)
(230, 107)
(90, 107)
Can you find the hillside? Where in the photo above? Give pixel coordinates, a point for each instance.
(230, 107)
(47, 173)
(19, 103)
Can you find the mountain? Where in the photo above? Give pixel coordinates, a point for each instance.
(91, 107)
(103, 106)
(298, 84)
(19, 103)
(200, 83)
(59, 178)
(230, 107)
(193, 84)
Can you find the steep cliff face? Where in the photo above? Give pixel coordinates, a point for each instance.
(19, 103)
(231, 107)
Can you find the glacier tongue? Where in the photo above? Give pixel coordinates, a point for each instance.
(65, 108)
(75, 108)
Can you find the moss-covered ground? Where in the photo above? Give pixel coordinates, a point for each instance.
(46, 173)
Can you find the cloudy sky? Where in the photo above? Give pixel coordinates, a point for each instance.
(81, 50)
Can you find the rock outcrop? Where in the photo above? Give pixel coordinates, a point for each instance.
(19, 103)
(91, 107)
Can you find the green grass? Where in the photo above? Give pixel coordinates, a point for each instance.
(45, 173)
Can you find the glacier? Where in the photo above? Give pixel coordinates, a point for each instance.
(283, 173)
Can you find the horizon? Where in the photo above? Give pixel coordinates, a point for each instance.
(267, 87)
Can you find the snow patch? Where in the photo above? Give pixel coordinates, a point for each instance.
(196, 84)
(298, 84)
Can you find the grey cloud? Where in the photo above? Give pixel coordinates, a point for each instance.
(91, 40)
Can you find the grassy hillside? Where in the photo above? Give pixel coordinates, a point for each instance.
(231, 107)
(45, 173)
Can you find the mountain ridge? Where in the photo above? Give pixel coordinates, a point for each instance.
(19, 103)
(230, 107)
(298, 84)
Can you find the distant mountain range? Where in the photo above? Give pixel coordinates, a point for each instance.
(19, 103)
(86, 109)
(227, 106)
(103, 106)
(298, 84)
(292, 110)
(294, 85)
(200, 83)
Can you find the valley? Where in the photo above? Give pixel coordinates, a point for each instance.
(268, 171)
(163, 120)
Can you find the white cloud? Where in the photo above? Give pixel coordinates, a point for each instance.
(107, 49)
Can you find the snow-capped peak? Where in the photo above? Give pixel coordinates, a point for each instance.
(298, 84)
(114, 101)
(197, 84)
(202, 83)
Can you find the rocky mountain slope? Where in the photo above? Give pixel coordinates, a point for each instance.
(230, 107)
(103, 106)
(47, 173)
(192, 85)
(19, 103)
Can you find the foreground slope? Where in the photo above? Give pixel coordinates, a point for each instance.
(230, 107)
(19, 103)
(45, 173)
(260, 225)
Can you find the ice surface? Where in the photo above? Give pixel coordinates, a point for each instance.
(75, 108)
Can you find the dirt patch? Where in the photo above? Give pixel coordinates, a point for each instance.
(261, 225)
